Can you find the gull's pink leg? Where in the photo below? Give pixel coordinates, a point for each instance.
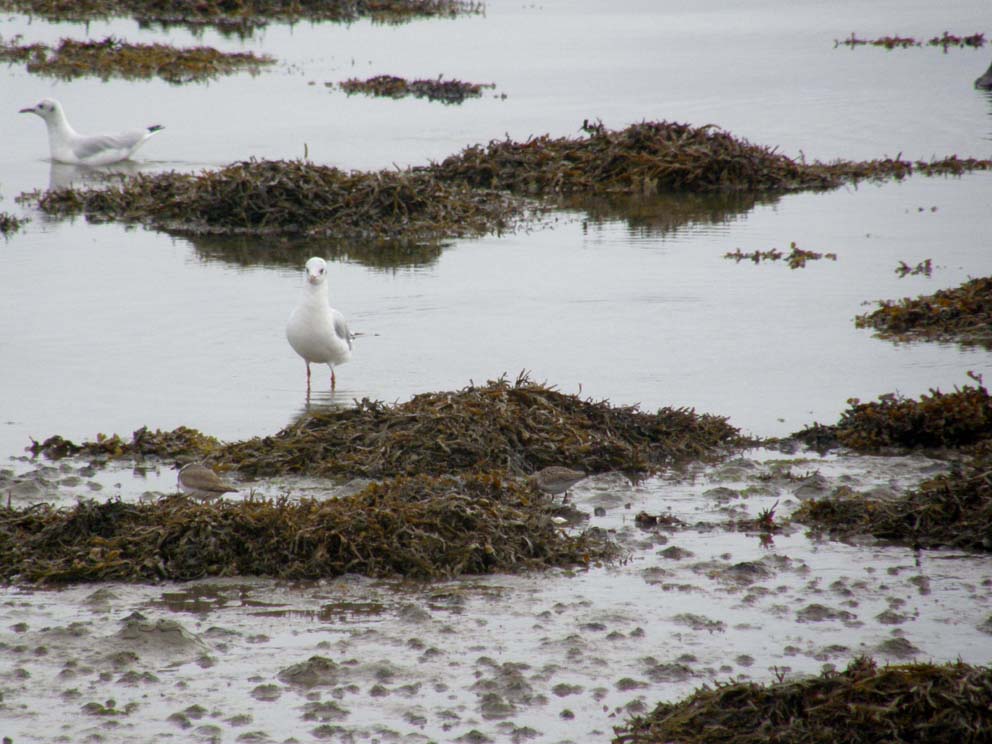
(308, 377)
(334, 381)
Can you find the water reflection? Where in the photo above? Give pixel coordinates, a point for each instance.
(324, 400)
(64, 175)
(282, 252)
(664, 215)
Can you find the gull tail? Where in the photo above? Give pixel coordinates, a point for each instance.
(154, 128)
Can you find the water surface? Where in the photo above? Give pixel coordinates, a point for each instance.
(105, 328)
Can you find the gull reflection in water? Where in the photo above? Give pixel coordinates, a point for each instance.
(63, 175)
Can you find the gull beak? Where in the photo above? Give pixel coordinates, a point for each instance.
(312, 278)
(28, 110)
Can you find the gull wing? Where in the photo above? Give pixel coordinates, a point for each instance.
(89, 147)
(341, 328)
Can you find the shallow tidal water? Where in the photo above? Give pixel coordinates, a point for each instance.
(105, 328)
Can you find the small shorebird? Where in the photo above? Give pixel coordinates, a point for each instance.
(66, 145)
(316, 331)
(199, 481)
(556, 479)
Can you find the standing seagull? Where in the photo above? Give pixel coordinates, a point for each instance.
(68, 146)
(316, 331)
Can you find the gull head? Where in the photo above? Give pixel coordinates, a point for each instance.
(316, 269)
(46, 108)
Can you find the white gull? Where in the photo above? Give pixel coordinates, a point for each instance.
(66, 145)
(316, 331)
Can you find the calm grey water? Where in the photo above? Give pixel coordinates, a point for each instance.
(105, 328)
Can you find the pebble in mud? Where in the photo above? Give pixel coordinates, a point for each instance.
(317, 670)
(473, 737)
(899, 648)
(888, 617)
(627, 683)
(266, 693)
(699, 622)
(323, 712)
(670, 671)
(815, 613)
(675, 553)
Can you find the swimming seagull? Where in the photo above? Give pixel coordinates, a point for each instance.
(316, 331)
(199, 481)
(68, 146)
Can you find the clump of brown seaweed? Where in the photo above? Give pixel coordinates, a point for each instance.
(466, 193)
(796, 258)
(953, 509)
(962, 314)
(945, 41)
(112, 57)
(924, 267)
(519, 427)
(9, 224)
(239, 16)
(863, 704)
(653, 157)
(648, 157)
(422, 526)
(391, 86)
(937, 419)
(272, 196)
(178, 443)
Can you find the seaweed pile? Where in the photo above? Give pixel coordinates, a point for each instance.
(518, 427)
(466, 193)
(951, 420)
(421, 527)
(954, 509)
(962, 314)
(796, 258)
(238, 16)
(178, 443)
(391, 86)
(276, 196)
(653, 157)
(945, 41)
(112, 57)
(9, 224)
(643, 158)
(864, 704)
(924, 267)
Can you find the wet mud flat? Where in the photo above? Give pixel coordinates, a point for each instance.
(539, 656)
(705, 547)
